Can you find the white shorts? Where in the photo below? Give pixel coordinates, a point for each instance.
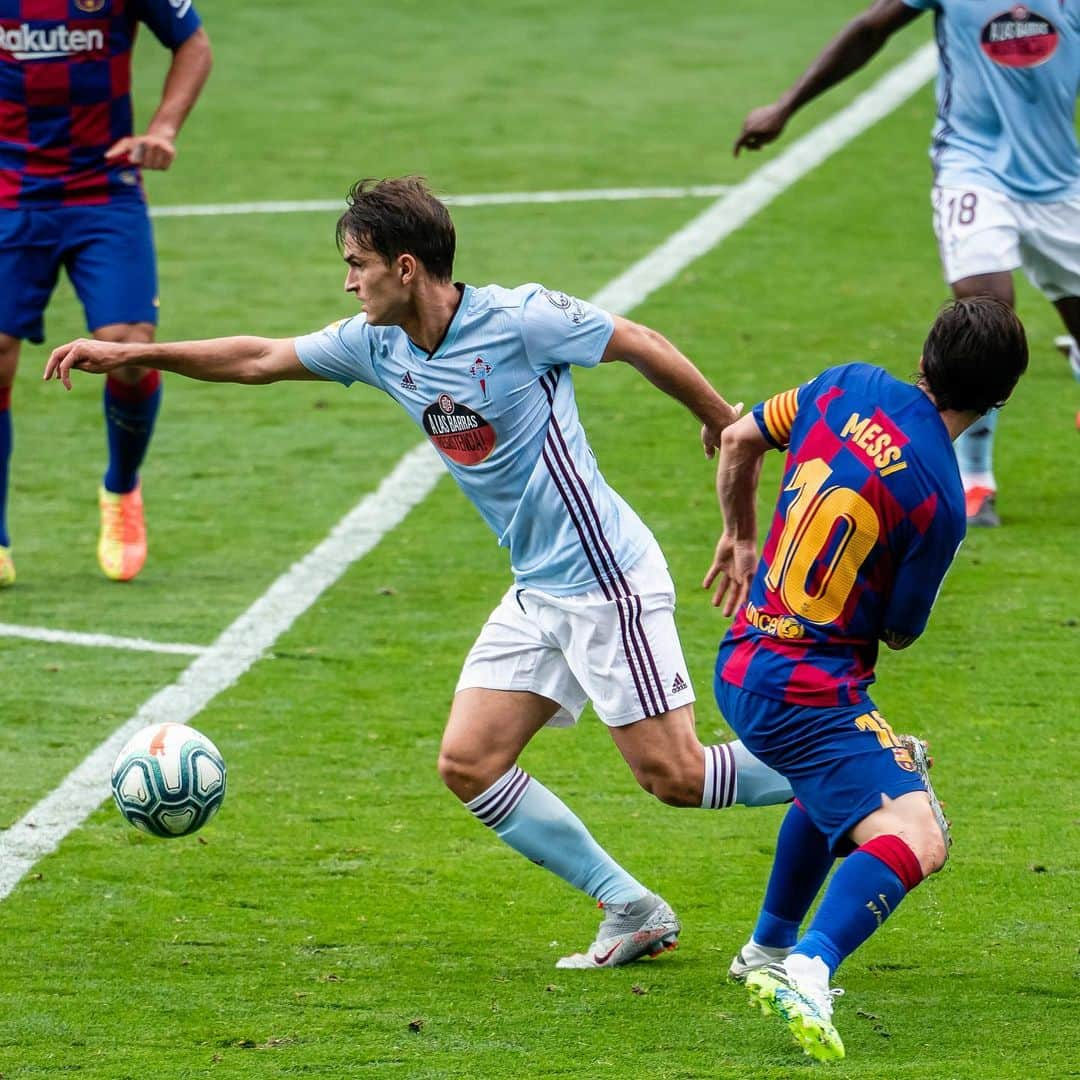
(981, 231)
(622, 654)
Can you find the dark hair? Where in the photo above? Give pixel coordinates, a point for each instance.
(399, 216)
(974, 354)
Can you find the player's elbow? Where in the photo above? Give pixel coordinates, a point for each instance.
(868, 33)
(897, 641)
(197, 47)
(740, 439)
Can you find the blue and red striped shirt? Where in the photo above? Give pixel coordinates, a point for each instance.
(65, 95)
(870, 515)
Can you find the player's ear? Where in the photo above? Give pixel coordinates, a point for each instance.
(406, 267)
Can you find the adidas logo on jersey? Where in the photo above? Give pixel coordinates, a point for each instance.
(407, 381)
(679, 685)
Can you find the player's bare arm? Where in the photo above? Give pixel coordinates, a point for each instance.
(669, 370)
(742, 449)
(252, 360)
(859, 40)
(184, 81)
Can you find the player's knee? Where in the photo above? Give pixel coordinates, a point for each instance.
(924, 838)
(933, 852)
(458, 772)
(121, 333)
(469, 771)
(9, 359)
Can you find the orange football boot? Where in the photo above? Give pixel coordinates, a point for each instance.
(122, 543)
(979, 505)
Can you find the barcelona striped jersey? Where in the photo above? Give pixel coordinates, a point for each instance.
(65, 95)
(869, 517)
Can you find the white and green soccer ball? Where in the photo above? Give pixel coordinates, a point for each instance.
(168, 780)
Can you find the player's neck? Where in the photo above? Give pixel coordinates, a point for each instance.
(956, 422)
(433, 309)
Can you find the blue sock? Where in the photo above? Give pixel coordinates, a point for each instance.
(800, 866)
(130, 411)
(863, 893)
(975, 451)
(7, 442)
(538, 824)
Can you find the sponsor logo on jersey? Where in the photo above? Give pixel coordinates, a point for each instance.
(571, 307)
(407, 381)
(464, 436)
(26, 42)
(480, 370)
(778, 626)
(1019, 38)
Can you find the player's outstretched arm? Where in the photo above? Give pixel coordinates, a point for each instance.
(234, 359)
(742, 449)
(187, 74)
(847, 52)
(666, 368)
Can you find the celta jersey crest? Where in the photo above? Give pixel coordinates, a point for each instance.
(496, 399)
(65, 95)
(1006, 96)
(870, 515)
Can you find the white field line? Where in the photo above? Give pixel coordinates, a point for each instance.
(101, 641)
(83, 789)
(41, 830)
(498, 198)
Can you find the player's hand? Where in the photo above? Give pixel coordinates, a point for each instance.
(711, 432)
(733, 564)
(760, 127)
(97, 357)
(146, 151)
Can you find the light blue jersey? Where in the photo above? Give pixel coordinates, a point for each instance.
(496, 399)
(1006, 96)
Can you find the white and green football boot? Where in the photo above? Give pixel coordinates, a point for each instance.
(797, 991)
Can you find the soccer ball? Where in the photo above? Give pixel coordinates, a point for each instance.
(168, 780)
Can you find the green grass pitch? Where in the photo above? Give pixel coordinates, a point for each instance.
(343, 916)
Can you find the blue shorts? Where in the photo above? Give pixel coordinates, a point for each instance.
(839, 761)
(108, 252)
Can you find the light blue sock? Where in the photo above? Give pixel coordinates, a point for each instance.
(733, 775)
(1074, 358)
(538, 824)
(757, 784)
(975, 451)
